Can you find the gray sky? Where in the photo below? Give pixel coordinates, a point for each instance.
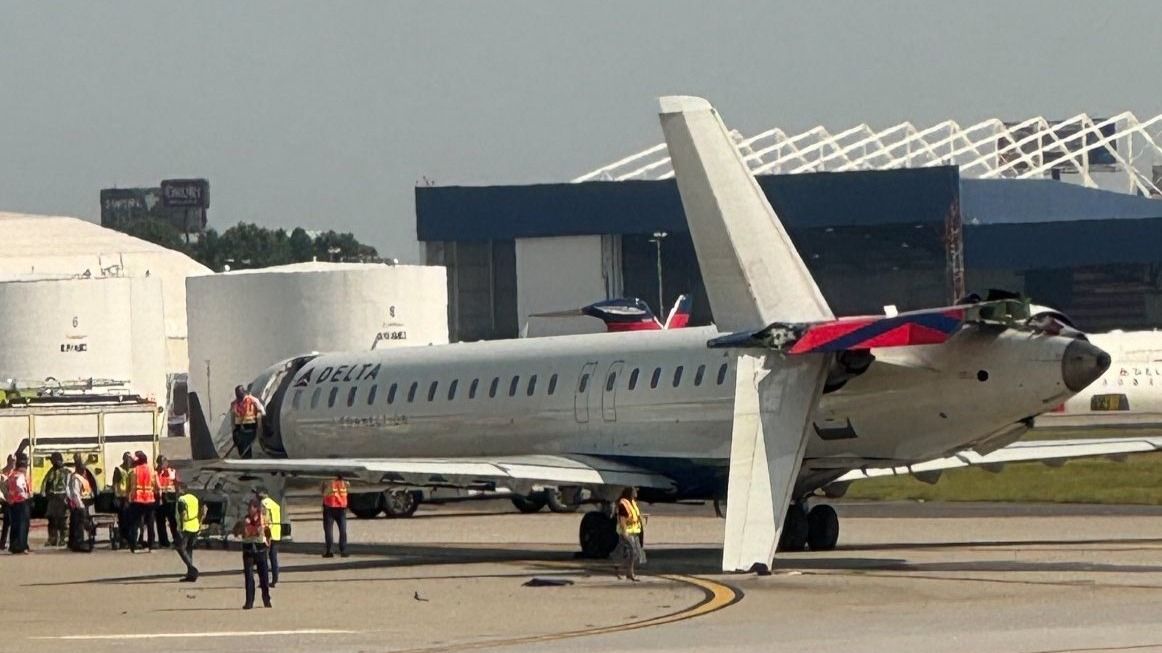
(326, 114)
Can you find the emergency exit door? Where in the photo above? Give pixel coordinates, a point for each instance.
(581, 397)
(609, 392)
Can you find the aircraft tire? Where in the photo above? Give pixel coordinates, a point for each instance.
(822, 528)
(366, 505)
(530, 504)
(556, 502)
(598, 535)
(795, 530)
(399, 504)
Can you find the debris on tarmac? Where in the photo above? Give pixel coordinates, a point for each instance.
(547, 582)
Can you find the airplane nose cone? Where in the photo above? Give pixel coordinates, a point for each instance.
(1082, 364)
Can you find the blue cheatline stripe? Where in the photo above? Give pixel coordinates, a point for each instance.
(936, 321)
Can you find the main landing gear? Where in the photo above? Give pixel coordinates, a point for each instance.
(598, 534)
(817, 529)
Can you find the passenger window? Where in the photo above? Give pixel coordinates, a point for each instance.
(678, 375)
(332, 396)
(655, 378)
(452, 389)
(633, 378)
(412, 391)
(552, 384)
(492, 388)
(584, 385)
(296, 399)
(432, 390)
(472, 388)
(698, 374)
(391, 393)
(512, 385)
(609, 381)
(371, 394)
(532, 385)
(722, 374)
(351, 396)
(315, 397)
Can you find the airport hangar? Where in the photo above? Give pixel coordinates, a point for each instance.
(1066, 212)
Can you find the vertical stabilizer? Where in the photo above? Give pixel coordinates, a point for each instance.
(753, 273)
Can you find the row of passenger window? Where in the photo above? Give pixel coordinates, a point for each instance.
(514, 385)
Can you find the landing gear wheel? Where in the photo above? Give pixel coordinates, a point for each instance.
(598, 535)
(400, 503)
(794, 535)
(365, 505)
(532, 503)
(556, 501)
(822, 528)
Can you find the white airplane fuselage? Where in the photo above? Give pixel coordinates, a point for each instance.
(1125, 400)
(658, 399)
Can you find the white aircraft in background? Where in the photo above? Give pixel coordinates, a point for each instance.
(778, 400)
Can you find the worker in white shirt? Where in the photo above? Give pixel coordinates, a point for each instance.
(20, 505)
(79, 496)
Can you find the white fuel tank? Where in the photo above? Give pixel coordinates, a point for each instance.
(72, 329)
(242, 322)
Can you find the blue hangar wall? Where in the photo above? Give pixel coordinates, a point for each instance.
(870, 238)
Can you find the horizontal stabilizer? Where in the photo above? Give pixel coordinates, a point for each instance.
(931, 326)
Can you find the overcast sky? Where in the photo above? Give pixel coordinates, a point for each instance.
(325, 115)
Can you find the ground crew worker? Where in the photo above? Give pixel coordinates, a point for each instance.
(79, 467)
(55, 487)
(6, 525)
(274, 521)
(19, 505)
(80, 499)
(142, 498)
(167, 511)
(255, 535)
(335, 512)
(189, 515)
(248, 412)
(629, 552)
(121, 475)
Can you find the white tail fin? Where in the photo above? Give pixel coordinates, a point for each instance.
(752, 272)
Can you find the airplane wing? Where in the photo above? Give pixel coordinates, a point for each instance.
(1047, 451)
(513, 472)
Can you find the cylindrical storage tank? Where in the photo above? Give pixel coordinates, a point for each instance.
(110, 328)
(242, 322)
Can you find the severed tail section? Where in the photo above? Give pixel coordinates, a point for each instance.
(754, 277)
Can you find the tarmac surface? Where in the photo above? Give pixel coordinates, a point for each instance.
(906, 577)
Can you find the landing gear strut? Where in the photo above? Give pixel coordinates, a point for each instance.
(598, 534)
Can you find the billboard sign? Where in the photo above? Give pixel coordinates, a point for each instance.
(185, 193)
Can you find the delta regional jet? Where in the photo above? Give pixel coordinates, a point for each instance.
(778, 400)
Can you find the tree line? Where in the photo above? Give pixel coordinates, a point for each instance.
(247, 245)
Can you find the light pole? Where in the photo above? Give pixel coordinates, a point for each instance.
(659, 236)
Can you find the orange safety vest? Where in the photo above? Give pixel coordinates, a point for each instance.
(245, 411)
(254, 529)
(86, 488)
(143, 485)
(335, 494)
(166, 480)
(17, 494)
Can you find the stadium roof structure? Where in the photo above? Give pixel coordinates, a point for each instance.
(1121, 151)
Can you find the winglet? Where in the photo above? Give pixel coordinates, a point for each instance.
(753, 274)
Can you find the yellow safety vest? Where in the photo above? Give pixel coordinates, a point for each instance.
(121, 490)
(273, 518)
(633, 522)
(191, 523)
